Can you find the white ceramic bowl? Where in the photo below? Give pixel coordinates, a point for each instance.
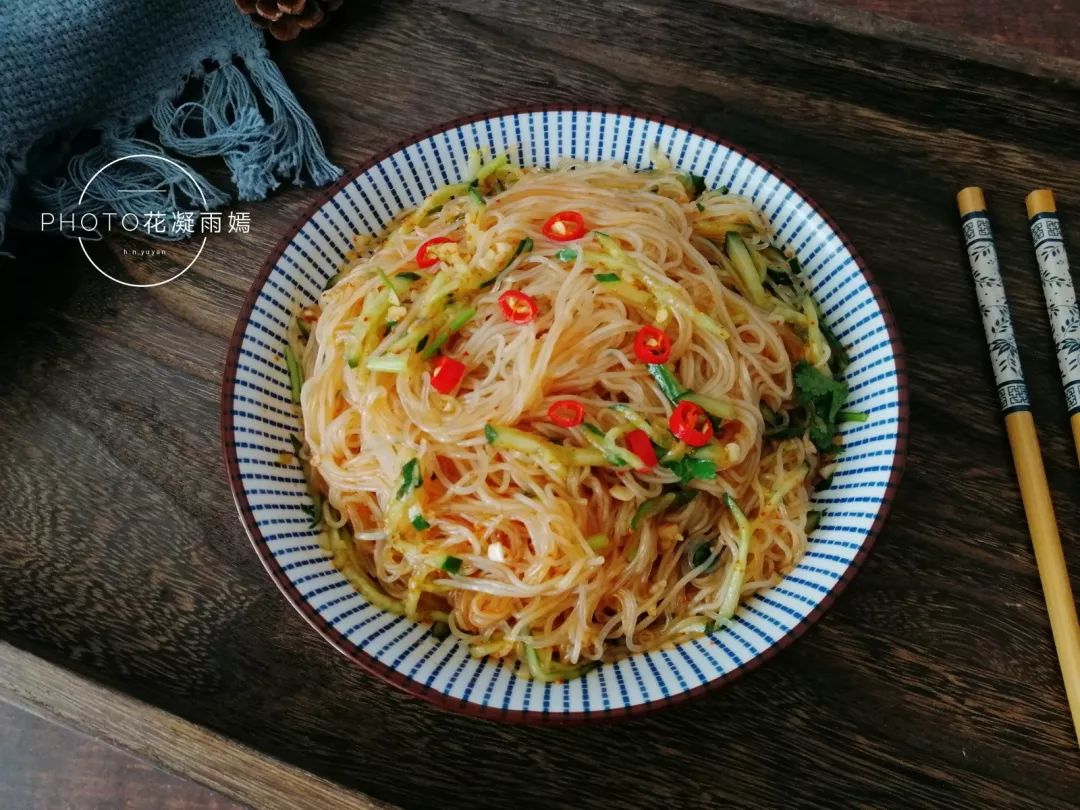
(257, 418)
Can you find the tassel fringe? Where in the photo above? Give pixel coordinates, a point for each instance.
(246, 115)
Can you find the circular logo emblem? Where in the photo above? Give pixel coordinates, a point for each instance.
(188, 217)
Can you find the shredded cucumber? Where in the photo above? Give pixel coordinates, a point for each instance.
(664, 291)
(744, 265)
(737, 575)
(296, 374)
(386, 362)
(346, 561)
(653, 506)
(711, 405)
(553, 672)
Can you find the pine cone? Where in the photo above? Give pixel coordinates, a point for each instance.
(285, 19)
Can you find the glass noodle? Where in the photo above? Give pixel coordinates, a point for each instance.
(473, 509)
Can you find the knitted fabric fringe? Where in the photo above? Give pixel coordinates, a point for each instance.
(245, 114)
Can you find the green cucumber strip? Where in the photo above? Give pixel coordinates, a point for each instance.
(296, 375)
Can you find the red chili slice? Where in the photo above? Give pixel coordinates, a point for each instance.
(651, 345)
(518, 307)
(566, 413)
(425, 258)
(640, 446)
(446, 373)
(690, 424)
(565, 226)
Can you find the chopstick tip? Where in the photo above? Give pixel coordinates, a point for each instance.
(970, 199)
(1040, 201)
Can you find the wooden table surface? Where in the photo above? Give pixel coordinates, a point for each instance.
(933, 678)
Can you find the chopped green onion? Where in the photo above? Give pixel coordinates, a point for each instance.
(606, 278)
(490, 434)
(411, 478)
(476, 196)
(386, 362)
(597, 542)
(451, 564)
(566, 255)
(418, 522)
(666, 381)
(296, 375)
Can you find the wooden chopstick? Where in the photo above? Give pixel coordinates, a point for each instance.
(1060, 298)
(1012, 391)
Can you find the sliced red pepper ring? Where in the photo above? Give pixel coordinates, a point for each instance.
(517, 307)
(565, 226)
(652, 345)
(690, 424)
(638, 443)
(566, 413)
(446, 373)
(424, 257)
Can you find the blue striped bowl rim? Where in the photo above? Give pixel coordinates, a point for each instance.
(257, 417)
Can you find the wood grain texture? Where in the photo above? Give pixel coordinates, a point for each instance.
(1045, 27)
(933, 681)
(168, 741)
(44, 766)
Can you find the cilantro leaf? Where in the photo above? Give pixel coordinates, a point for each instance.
(688, 468)
(822, 397)
(411, 478)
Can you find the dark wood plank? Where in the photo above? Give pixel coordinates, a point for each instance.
(933, 679)
(1049, 28)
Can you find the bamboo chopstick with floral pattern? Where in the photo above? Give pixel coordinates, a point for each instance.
(1060, 298)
